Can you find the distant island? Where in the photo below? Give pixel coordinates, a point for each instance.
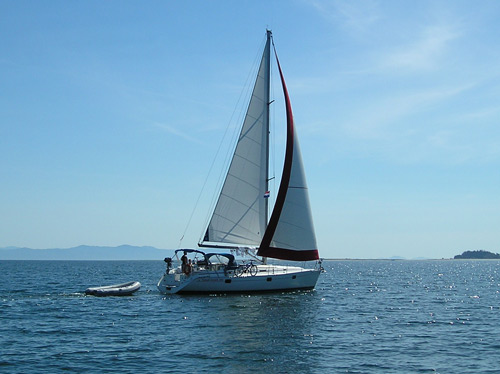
(482, 255)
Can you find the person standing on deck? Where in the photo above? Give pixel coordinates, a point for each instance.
(184, 262)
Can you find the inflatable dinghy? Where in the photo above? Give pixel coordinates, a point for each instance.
(124, 289)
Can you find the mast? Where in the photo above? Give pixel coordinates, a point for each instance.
(269, 35)
(266, 120)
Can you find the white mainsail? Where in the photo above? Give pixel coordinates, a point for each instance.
(240, 215)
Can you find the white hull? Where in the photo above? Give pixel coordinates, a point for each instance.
(268, 278)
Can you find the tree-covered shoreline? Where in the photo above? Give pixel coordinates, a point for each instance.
(468, 255)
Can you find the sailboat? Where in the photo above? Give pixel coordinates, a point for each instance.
(240, 221)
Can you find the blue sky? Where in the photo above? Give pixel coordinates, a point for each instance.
(112, 112)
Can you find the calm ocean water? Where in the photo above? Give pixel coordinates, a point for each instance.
(364, 317)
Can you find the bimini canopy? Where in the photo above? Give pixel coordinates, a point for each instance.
(229, 257)
(189, 251)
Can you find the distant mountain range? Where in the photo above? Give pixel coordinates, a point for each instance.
(85, 252)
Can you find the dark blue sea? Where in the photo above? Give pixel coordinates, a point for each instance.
(364, 317)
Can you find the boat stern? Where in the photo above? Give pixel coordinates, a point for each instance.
(170, 283)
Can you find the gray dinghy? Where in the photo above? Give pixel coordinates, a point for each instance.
(124, 289)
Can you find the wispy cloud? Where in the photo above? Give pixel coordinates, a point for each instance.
(376, 120)
(444, 139)
(357, 17)
(424, 53)
(172, 130)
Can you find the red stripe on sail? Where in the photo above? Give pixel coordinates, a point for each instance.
(288, 254)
